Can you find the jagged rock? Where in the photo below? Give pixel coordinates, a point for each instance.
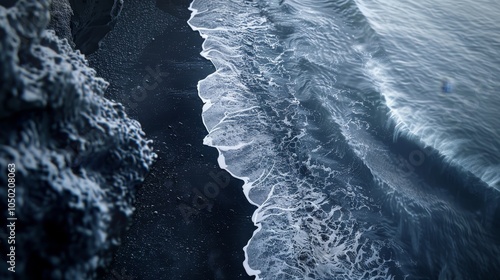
(60, 19)
(77, 155)
(84, 23)
(91, 21)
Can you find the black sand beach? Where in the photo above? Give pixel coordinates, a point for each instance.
(334, 113)
(192, 219)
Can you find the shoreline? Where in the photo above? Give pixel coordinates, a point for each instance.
(190, 221)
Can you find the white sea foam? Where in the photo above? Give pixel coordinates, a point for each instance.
(290, 109)
(252, 112)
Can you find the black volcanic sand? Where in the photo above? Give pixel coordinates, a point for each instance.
(154, 49)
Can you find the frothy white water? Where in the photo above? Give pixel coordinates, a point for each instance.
(293, 110)
(305, 198)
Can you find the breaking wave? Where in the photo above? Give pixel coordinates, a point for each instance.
(297, 110)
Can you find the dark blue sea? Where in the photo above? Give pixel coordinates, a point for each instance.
(367, 133)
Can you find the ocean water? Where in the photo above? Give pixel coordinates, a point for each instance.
(360, 164)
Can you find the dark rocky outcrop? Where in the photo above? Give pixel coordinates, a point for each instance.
(60, 19)
(77, 155)
(91, 21)
(84, 23)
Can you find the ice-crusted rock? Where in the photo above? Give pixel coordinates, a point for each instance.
(77, 155)
(60, 19)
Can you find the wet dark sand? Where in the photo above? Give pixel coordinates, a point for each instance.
(192, 220)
